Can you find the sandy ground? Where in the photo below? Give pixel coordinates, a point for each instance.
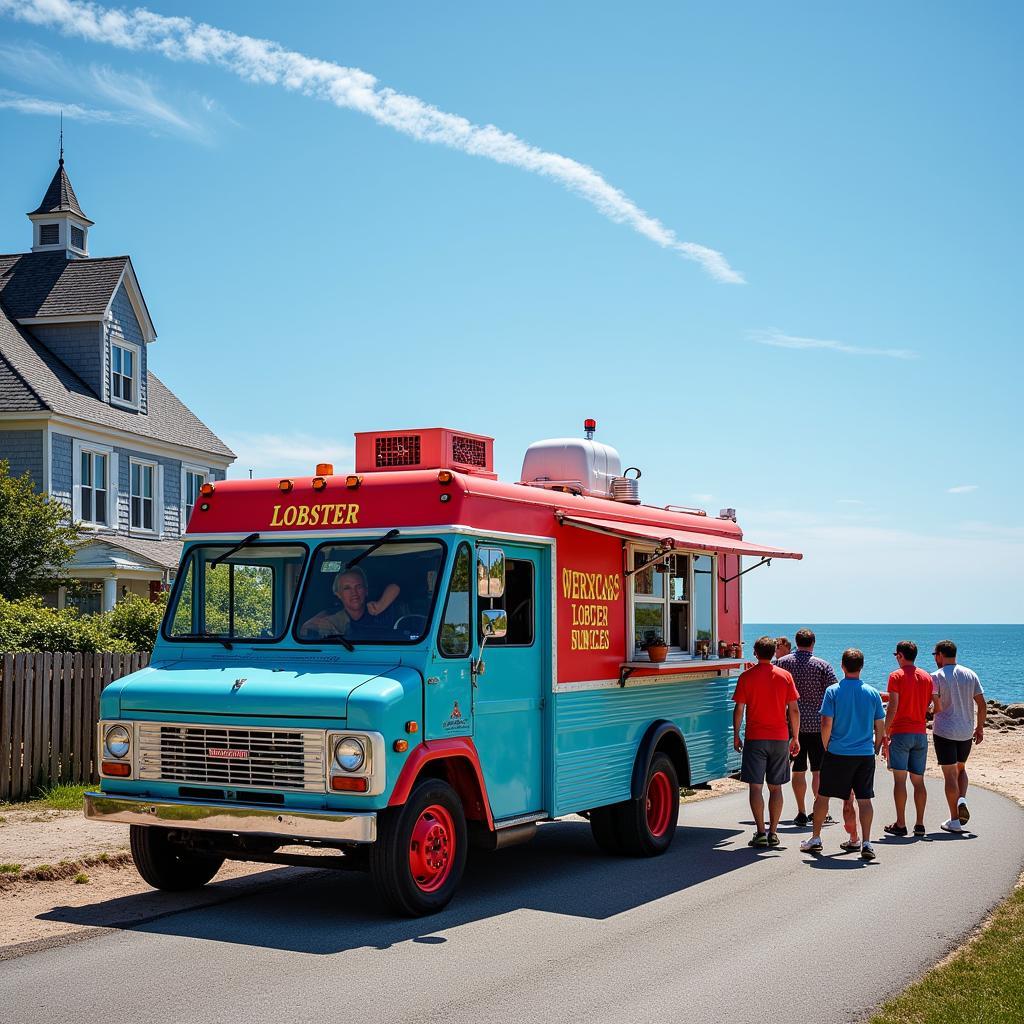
(34, 913)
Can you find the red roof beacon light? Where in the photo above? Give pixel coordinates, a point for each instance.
(589, 426)
(324, 469)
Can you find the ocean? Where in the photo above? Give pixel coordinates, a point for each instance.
(996, 653)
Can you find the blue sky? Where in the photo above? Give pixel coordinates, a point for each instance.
(313, 271)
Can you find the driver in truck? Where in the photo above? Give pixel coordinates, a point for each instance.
(356, 616)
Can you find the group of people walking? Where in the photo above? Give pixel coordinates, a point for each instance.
(794, 714)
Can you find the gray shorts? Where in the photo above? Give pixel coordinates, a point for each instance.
(765, 759)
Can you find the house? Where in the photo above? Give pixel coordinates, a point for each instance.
(81, 411)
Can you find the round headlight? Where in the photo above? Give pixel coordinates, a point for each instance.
(349, 754)
(117, 741)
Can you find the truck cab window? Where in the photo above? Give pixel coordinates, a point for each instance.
(517, 602)
(247, 596)
(453, 638)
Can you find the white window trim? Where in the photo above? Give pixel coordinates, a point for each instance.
(674, 652)
(136, 353)
(187, 468)
(158, 498)
(93, 448)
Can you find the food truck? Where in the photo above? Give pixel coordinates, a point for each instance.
(388, 666)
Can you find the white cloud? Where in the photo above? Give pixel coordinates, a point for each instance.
(962, 489)
(295, 454)
(849, 501)
(51, 108)
(266, 62)
(777, 339)
(134, 97)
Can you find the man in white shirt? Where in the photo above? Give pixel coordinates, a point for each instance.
(954, 728)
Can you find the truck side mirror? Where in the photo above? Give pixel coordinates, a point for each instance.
(490, 572)
(493, 623)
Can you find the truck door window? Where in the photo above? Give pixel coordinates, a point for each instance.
(247, 596)
(517, 602)
(453, 638)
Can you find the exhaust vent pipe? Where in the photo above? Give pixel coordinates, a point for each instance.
(627, 488)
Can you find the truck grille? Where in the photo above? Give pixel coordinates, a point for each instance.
(230, 756)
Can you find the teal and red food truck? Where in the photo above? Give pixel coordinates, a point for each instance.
(389, 665)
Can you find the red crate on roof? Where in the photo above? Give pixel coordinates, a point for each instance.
(380, 451)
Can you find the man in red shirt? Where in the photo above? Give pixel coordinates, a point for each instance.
(911, 691)
(768, 694)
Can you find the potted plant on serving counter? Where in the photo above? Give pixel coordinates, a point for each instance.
(655, 646)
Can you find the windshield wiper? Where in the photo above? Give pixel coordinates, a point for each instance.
(340, 637)
(231, 551)
(204, 636)
(390, 535)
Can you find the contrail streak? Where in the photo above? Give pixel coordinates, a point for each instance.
(266, 62)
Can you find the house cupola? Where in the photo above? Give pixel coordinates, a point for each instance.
(58, 223)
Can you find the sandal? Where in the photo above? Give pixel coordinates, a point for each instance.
(920, 830)
(895, 830)
(850, 846)
(773, 839)
(760, 840)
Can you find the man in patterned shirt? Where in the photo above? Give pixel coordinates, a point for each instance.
(813, 676)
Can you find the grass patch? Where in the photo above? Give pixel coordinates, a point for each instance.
(981, 984)
(81, 878)
(10, 869)
(62, 798)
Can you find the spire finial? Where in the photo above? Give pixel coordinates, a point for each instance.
(61, 161)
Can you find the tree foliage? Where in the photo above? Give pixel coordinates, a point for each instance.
(29, 625)
(37, 538)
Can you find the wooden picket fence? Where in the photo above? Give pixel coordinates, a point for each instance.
(49, 706)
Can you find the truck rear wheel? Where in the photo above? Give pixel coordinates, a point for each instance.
(420, 853)
(646, 826)
(603, 827)
(170, 866)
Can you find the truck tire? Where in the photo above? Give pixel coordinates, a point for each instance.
(604, 829)
(169, 866)
(420, 853)
(645, 826)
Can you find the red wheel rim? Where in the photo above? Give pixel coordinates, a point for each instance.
(659, 804)
(432, 848)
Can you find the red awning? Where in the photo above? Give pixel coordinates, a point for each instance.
(671, 537)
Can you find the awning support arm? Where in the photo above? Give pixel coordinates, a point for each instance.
(750, 568)
(665, 549)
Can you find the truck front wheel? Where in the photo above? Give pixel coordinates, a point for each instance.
(420, 853)
(167, 865)
(646, 825)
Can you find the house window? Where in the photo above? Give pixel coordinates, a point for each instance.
(143, 497)
(673, 599)
(49, 234)
(122, 374)
(193, 481)
(94, 482)
(77, 238)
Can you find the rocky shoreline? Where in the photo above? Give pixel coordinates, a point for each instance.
(1004, 717)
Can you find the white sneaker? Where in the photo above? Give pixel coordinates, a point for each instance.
(962, 812)
(952, 826)
(812, 845)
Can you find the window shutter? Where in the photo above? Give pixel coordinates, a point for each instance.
(113, 514)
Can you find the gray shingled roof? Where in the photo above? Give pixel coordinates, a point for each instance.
(27, 368)
(49, 284)
(165, 553)
(60, 196)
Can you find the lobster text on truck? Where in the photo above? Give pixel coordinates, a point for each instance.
(589, 595)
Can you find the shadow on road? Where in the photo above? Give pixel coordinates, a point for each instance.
(324, 912)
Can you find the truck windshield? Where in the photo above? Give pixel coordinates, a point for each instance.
(246, 596)
(384, 598)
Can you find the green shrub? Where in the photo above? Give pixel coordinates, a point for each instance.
(135, 621)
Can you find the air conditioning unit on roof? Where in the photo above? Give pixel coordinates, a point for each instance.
(379, 451)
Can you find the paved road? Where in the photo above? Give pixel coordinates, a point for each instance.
(710, 932)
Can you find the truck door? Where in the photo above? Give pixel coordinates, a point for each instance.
(509, 696)
(448, 695)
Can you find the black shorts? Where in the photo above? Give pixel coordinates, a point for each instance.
(811, 749)
(951, 751)
(840, 773)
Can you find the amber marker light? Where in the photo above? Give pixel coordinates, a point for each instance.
(206, 490)
(400, 746)
(352, 785)
(324, 469)
(285, 486)
(446, 476)
(352, 482)
(116, 768)
(412, 726)
(319, 483)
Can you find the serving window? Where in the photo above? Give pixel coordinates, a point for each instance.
(672, 599)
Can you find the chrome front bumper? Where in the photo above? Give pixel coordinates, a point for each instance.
(244, 819)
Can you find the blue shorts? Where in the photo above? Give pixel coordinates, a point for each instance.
(908, 752)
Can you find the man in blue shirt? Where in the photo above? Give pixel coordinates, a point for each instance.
(852, 729)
